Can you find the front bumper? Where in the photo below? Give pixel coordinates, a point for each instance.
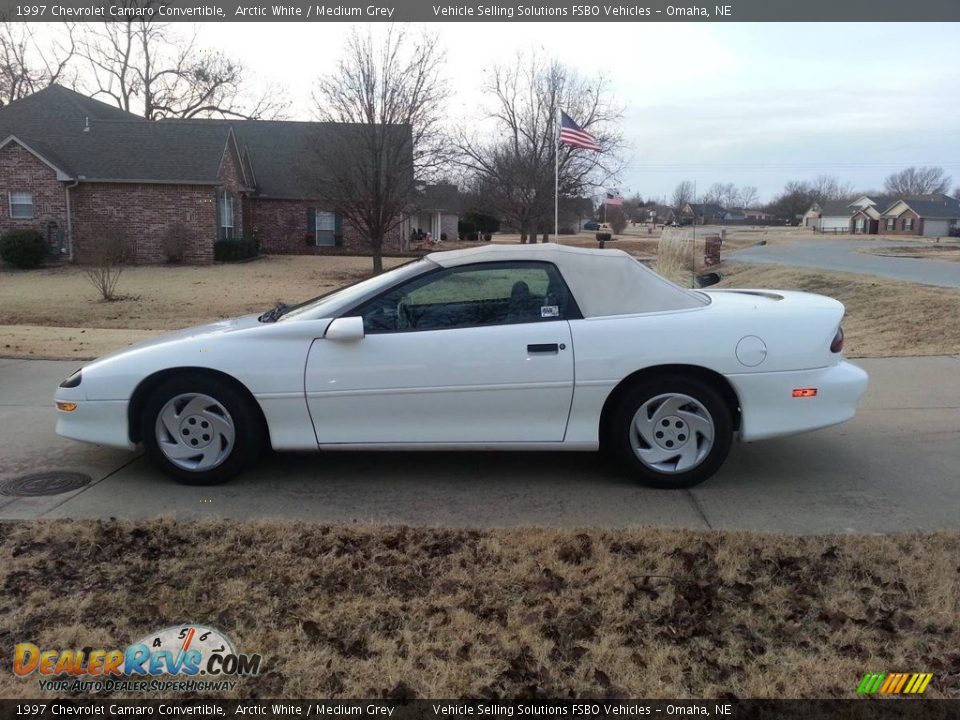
(102, 422)
(768, 408)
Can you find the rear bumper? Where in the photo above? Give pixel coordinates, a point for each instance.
(102, 422)
(768, 408)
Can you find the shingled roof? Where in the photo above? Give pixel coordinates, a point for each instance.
(937, 206)
(833, 208)
(283, 154)
(92, 141)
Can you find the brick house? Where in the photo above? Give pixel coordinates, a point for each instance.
(702, 214)
(934, 215)
(927, 215)
(72, 166)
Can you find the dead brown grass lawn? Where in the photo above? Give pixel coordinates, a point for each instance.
(885, 318)
(347, 612)
(55, 314)
(172, 297)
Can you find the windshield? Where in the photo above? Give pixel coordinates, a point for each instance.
(333, 303)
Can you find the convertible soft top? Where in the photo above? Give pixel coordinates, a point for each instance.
(604, 282)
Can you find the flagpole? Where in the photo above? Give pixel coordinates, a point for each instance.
(693, 248)
(556, 179)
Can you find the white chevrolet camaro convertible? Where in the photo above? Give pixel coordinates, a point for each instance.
(526, 347)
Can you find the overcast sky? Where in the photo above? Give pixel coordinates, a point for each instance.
(752, 104)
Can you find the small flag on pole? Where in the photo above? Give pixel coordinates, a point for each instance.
(572, 134)
(614, 199)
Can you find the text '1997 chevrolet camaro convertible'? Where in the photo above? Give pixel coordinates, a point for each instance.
(526, 347)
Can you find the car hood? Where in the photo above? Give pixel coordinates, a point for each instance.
(220, 327)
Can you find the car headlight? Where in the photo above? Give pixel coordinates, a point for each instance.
(72, 381)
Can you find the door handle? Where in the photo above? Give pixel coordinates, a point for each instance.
(543, 348)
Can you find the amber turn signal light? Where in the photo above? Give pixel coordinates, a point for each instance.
(804, 392)
(66, 406)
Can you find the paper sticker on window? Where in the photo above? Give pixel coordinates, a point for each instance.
(549, 311)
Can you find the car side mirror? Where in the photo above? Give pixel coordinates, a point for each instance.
(345, 329)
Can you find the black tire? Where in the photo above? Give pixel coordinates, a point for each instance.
(249, 431)
(620, 442)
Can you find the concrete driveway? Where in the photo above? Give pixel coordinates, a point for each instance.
(895, 468)
(842, 255)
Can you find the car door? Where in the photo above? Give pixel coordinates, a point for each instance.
(478, 353)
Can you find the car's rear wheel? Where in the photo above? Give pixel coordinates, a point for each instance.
(671, 432)
(201, 430)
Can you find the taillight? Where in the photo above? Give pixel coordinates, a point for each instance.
(837, 344)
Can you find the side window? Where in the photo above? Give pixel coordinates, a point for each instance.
(21, 205)
(326, 228)
(471, 296)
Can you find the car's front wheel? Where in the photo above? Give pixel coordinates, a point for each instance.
(671, 432)
(201, 430)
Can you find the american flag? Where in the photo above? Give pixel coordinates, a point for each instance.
(614, 199)
(573, 134)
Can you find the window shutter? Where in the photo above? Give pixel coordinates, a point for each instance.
(219, 210)
(338, 230)
(311, 226)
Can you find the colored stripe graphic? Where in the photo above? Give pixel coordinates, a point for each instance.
(894, 683)
(870, 683)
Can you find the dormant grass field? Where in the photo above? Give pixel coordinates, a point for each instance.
(401, 613)
(55, 313)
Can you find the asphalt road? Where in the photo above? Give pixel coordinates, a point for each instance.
(894, 468)
(842, 255)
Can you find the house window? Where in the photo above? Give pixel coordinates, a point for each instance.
(891, 223)
(326, 229)
(908, 223)
(226, 216)
(21, 206)
(859, 225)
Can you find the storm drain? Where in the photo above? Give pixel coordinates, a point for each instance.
(44, 483)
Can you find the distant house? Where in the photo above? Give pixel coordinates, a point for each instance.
(71, 166)
(702, 213)
(437, 212)
(835, 216)
(753, 215)
(927, 215)
(865, 221)
(811, 218)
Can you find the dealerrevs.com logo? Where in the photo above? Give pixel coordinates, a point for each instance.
(186, 657)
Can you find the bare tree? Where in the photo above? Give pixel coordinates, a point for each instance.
(682, 194)
(151, 69)
(27, 65)
(633, 208)
(723, 194)
(616, 218)
(799, 195)
(826, 187)
(749, 196)
(516, 170)
(391, 93)
(917, 181)
(956, 192)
